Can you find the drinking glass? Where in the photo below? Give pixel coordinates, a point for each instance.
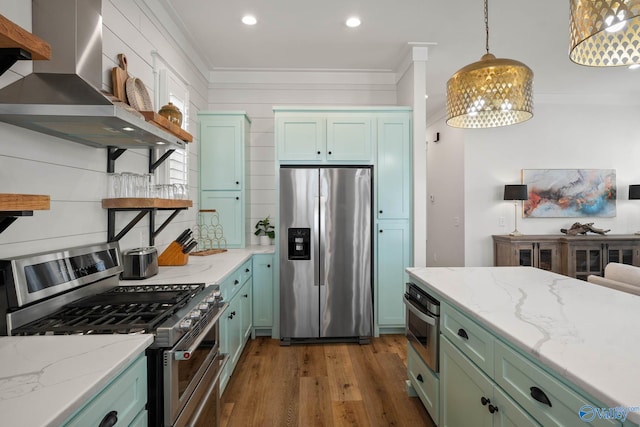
(114, 183)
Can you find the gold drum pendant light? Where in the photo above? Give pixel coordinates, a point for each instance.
(605, 33)
(490, 93)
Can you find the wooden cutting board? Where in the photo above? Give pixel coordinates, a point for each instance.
(119, 76)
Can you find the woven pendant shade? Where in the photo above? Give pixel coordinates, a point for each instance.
(605, 33)
(490, 93)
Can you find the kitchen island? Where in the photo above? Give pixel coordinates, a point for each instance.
(46, 379)
(583, 335)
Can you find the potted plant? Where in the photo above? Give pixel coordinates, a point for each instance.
(265, 231)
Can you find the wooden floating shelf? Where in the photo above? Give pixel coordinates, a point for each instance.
(14, 36)
(24, 202)
(145, 203)
(162, 122)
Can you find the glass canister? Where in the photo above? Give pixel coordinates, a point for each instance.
(171, 113)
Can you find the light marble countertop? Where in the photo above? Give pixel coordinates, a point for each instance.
(585, 333)
(210, 269)
(45, 379)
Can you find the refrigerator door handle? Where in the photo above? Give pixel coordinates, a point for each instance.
(321, 225)
(316, 241)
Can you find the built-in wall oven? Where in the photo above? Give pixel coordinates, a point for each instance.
(423, 324)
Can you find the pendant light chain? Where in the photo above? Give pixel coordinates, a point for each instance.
(486, 24)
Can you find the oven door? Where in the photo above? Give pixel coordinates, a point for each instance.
(423, 331)
(186, 365)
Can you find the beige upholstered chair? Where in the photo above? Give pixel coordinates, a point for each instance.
(622, 277)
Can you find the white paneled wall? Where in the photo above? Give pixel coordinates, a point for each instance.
(74, 175)
(258, 92)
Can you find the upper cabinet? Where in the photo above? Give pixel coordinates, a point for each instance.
(319, 136)
(224, 136)
(394, 167)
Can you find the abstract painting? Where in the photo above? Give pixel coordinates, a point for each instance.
(569, 193)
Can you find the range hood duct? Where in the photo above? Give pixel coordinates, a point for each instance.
(62, 96)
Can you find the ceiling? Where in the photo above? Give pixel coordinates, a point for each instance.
(306, 34)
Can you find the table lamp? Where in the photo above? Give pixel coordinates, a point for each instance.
(634, 194)
(515, 193)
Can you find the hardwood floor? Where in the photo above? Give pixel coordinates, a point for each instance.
(322, 385)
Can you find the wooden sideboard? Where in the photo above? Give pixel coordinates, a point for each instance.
(575, 256)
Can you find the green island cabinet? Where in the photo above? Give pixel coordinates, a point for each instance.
(236, 323)
(263, 294)
(486, 382)
(378, 136)
(224, 137)
(126, 394)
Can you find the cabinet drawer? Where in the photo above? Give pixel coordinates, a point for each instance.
(471, 339)
(126, 395)
(425, 382)
(245, 271)
(522, 379)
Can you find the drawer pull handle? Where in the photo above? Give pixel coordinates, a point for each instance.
(419, 378)
(484, 401)
(245, 296)
(463, 334)
(246, 270)
(493, 409)
(235, 282)
(109, 420)
(540, 396)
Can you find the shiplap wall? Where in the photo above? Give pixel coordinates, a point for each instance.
(74, 175)
(257, 92)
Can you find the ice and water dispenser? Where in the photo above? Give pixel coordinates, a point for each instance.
(299, 243)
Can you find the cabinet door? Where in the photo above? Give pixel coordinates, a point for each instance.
(263, 291)
(229, 205)
(221, 154)
(394, 168)
(509, 414)
(300, 138)
(621, 252)
(246, 297)
(349, 139)
(230, 338)
(392, 260)
(525, 253)
(586, 260)
(462, 387)
(547, 256)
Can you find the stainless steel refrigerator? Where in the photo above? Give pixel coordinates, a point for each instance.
(325, 253)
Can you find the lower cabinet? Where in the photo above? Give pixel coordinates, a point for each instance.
(425, 383)
(122, 401)
(236, 323)
(484, 382)
(263, 294)
(394, 256)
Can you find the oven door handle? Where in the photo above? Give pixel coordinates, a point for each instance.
(420, 315)
(200, 408)
(186, 354)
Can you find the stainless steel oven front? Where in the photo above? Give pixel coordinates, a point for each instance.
(191, 373)
(423, 324)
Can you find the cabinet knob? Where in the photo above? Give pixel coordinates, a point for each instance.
(237, 182)
(237, 198)
(329, 152)
(493, 409)
(462, 333)
(318, 152)
(484, 401)
(245, 296)
(380, 211)
(246, 270)
(268, 265)
(381, 231)
(109, 420)
(235, 282)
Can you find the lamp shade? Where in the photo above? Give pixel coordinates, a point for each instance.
(515, 192)
(605, 33)
(634, 192)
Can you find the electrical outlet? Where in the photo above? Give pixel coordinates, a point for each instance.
(501, 222)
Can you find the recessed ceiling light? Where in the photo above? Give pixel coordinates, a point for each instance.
(249, 20)
(353, 22)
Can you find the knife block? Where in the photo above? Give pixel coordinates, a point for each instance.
(173, 256)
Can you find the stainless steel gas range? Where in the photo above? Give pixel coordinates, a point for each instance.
(77, 291)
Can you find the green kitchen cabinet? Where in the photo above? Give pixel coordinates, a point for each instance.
(224, 138)
(246, 309)
(394, 167)
(126, 395)
(263, 268)
(470, 398)
(349, 139)
(393, 257)
(300, 138)
(230, 207)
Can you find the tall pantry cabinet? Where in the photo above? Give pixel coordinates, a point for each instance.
(378, 136)
(224, 137)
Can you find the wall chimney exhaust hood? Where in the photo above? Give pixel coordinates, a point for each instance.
(61, 97)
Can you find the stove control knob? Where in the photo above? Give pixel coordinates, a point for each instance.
(203, 306)
(195, 314)
(185, 325)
